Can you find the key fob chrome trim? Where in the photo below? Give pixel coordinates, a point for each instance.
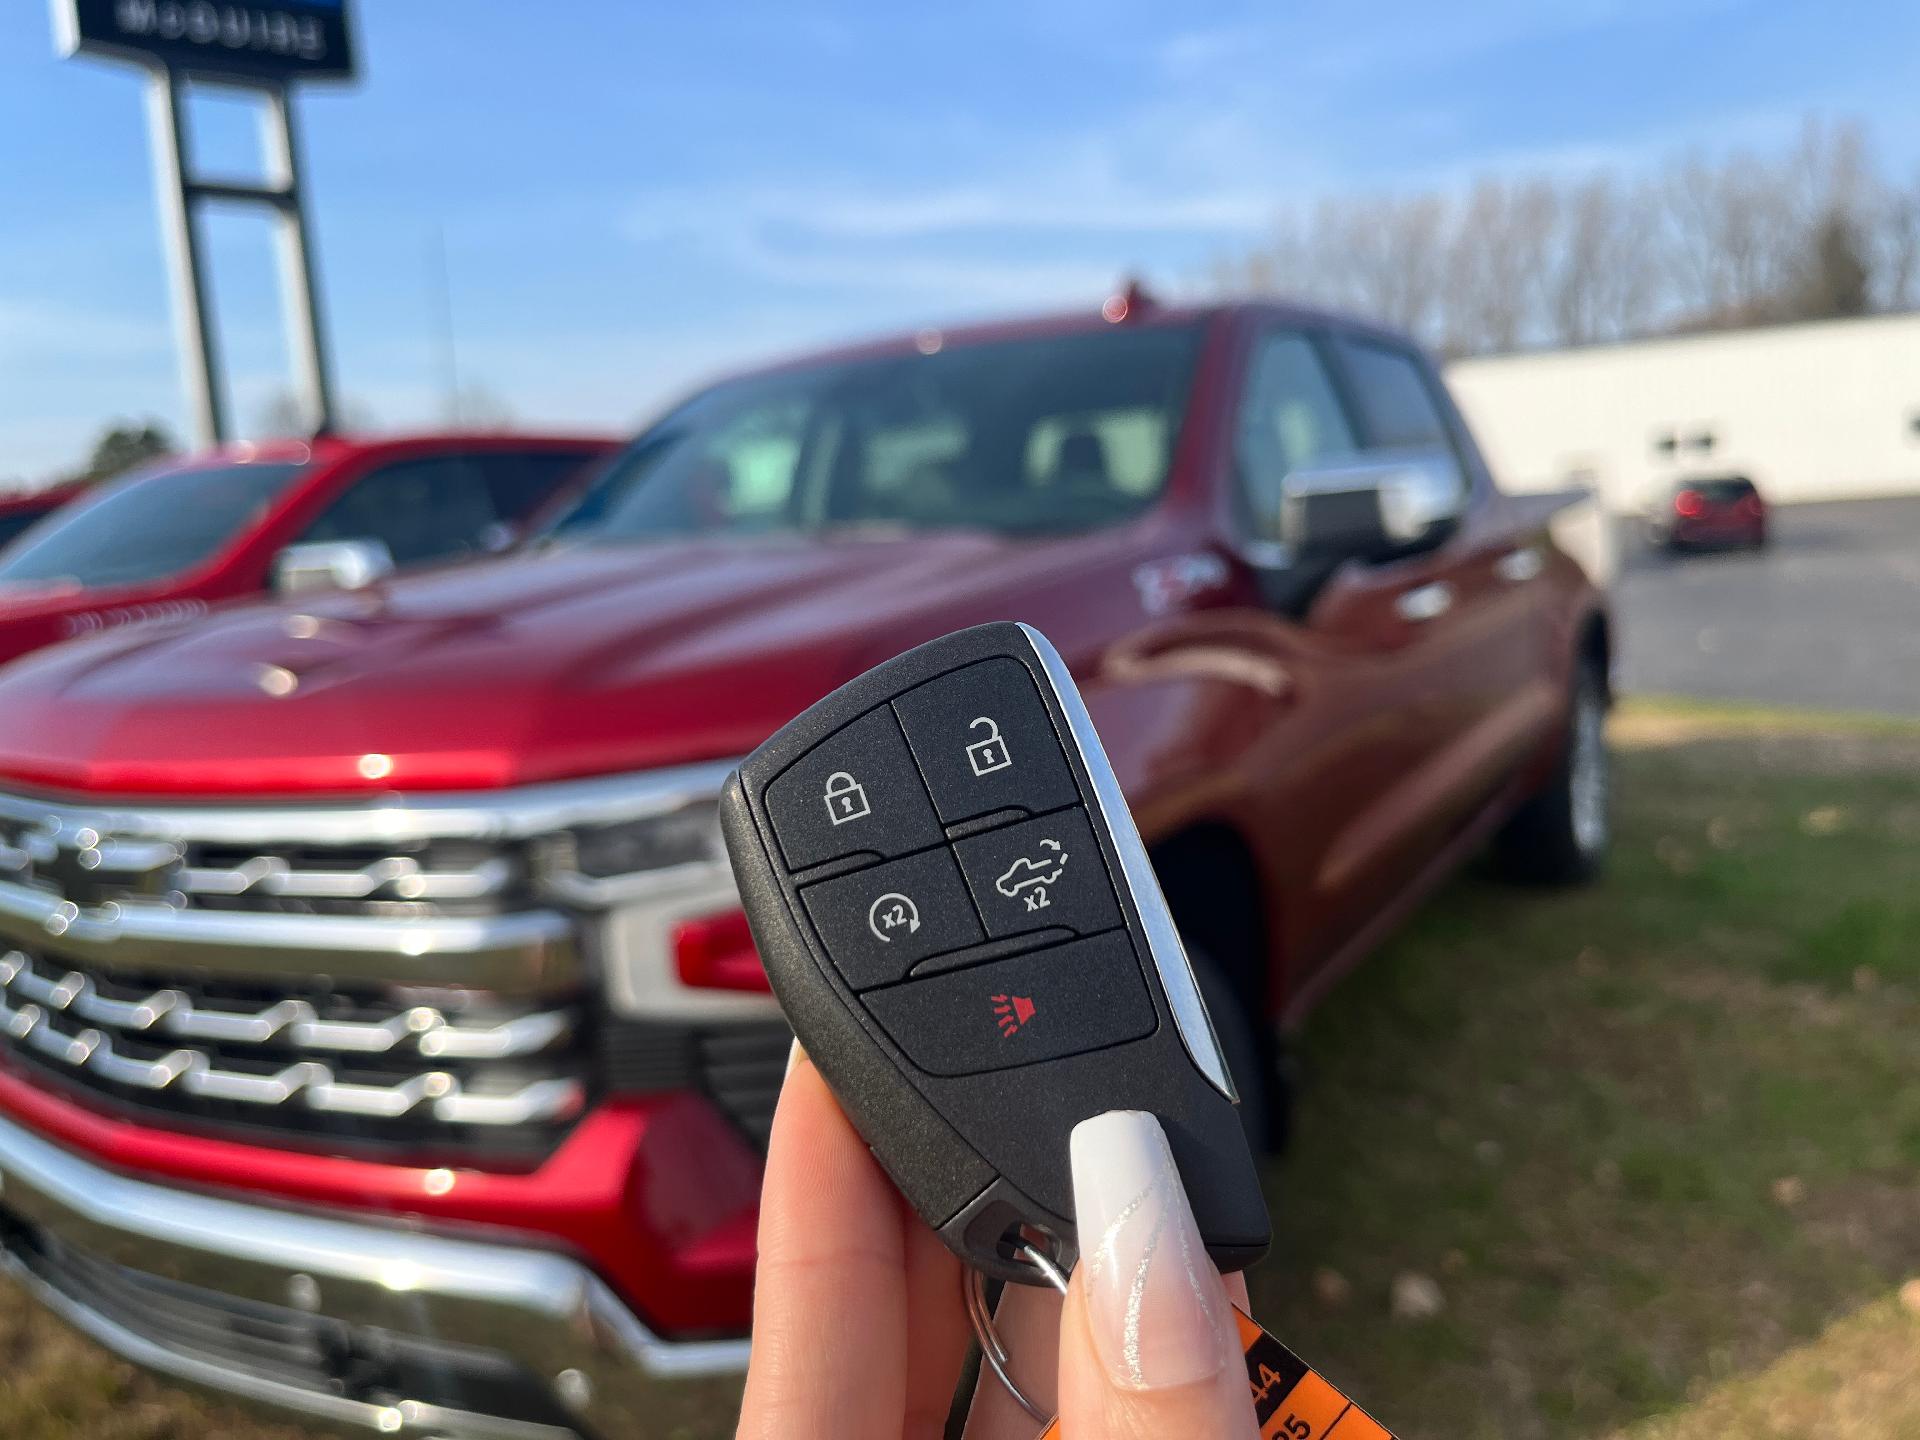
(1163, 939)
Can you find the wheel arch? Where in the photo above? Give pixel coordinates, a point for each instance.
(1214, 890)
(1594, 646)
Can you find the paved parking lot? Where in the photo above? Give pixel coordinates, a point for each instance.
(1827, 616)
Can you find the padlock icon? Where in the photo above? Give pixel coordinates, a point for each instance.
(989, 753)
(846, 798)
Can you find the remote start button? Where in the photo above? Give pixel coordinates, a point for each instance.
(878, 924)
(984, 742)
(1084, 995)
(857, 790)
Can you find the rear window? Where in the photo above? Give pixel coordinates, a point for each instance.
(12, 525)
(148, 527)
(1721, 492)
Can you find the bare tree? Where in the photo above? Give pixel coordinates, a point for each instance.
(1498, 253)
(1603, 280)
(1894, 238)
(1702, 242)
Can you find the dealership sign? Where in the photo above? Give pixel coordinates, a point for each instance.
(265, 41)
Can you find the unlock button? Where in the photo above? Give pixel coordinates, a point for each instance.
(985, 742)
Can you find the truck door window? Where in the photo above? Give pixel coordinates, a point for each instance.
(519, 483)
(1289, 418)
(421, 510)
(1394, 394)
(1396, 405)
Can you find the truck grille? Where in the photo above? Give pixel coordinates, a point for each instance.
(372, 976)
(316, 1060)
(421, 979)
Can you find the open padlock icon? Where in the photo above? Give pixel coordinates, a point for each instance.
(846, 798)
(989, 753)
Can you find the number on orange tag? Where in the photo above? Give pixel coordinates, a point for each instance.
(1290, 1401)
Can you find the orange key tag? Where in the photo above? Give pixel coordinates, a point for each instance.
(1290, 1400)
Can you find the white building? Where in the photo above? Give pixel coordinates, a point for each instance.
(1819, 411)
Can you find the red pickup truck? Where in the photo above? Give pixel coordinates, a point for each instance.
(380, 1038)
(168, 541)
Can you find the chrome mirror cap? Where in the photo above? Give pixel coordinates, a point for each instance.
(331, 565)
(1394, 500)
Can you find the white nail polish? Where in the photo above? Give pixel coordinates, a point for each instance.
(1159, 1313)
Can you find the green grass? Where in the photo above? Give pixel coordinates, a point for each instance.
(1646, 1137)
(1657, 1141)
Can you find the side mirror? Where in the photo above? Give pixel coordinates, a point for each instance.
(331, 565)
(1372, 508)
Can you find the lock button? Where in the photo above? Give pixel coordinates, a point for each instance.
(856, 792)
(846, 798)
(985, 742)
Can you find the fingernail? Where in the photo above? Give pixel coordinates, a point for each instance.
(794, 1056)
(1154, 1300)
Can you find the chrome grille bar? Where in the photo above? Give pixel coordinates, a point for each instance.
(490, 817)
(172, 1012)
(313, 1083)
(531, 951)
(397, 877)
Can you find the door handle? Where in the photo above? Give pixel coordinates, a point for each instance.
(1517, 567)
(1425, 602)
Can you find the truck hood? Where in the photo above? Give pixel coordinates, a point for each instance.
(535, 667)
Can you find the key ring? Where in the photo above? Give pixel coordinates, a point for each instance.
(991, 1350)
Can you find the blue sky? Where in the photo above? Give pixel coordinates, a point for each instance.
(633, 196)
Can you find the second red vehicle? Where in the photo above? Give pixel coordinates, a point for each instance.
(169, 541)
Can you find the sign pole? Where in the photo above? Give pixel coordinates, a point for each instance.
(199, 360)
(299, 287)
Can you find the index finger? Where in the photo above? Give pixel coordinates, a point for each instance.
(830, 1291)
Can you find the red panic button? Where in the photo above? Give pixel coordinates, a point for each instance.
(1064, 1000)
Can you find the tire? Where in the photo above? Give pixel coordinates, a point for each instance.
(1256, 1075)
(1560, 836)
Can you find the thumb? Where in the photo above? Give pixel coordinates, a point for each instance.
(1148, 1347)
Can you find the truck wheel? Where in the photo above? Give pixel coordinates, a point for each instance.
(1255, 1074)
(1560, 836)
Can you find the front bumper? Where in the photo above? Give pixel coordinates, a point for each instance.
(330, 1319)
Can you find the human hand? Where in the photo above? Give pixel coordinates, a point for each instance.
(860, 1331)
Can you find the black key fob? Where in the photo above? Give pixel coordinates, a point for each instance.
(957, 914)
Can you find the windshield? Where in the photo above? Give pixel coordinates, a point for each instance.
(146, 527)
(1021, 437)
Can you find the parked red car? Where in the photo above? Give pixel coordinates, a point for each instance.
(382, 1038)
(1723, 512)
(17, 512)
(171, 540)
